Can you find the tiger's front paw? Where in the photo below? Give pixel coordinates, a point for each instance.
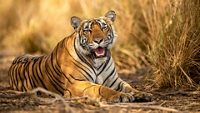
(121, 97)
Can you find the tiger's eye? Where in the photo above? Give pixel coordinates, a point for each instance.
(84, 40)
(86, 31)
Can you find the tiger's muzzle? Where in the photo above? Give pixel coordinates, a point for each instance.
(100, 48)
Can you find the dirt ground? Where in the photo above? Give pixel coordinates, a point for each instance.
(163, 101)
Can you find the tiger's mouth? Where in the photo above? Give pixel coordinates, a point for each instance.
(100, 52)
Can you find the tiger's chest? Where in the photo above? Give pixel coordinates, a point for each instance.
(104, 73)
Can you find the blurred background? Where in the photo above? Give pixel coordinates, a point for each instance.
(37, 26)
(156, 38)
(43, 23)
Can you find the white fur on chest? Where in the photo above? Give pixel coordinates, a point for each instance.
(98, 62)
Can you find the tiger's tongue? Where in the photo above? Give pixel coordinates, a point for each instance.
(99, 51)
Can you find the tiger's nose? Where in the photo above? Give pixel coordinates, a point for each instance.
(98, 41)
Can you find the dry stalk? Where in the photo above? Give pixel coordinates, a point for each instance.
(133, 105)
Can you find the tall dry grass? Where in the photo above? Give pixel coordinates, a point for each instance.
(160, 34)
(175, 43)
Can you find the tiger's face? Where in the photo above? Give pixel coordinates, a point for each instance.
(95, 36)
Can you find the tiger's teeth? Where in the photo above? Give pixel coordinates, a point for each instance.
(100, 54)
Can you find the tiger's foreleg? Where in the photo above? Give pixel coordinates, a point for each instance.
(98, 92)
(139, 96)
(125, 87)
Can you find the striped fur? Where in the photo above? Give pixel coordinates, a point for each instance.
(80, 65)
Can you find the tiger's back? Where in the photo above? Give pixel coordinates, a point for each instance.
(20, 72)
(28, 72)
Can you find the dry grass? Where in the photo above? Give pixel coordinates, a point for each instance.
(161, 34)
(175, 44)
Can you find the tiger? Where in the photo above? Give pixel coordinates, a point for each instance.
(80, 65)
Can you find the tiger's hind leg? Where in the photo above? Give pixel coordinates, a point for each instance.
(98, 92)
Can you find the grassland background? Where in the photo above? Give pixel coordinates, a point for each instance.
(157, 35)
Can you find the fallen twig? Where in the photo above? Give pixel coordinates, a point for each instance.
(133, 105)
(180, 92)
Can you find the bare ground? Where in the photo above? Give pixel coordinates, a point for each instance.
(164, 101)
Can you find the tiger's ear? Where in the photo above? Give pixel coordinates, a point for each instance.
(111, 15)
(75, 22)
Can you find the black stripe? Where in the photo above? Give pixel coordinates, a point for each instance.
(120, 98)
(15, 76)
(10, 78)
(109, 76)
(23, 69)
(11, 75)
(38, 67)
(62, 43)
(52, 65)
(58, 68)
(28, 73)
(16, 60)
(67, 78)
(104, 67)
(118, 88)
(25, 78)
(52, 81)
(35, 80)
(100, 66)
(25, 73)
(113, 82)
(109, 66)
(19, 74)
(27, 64)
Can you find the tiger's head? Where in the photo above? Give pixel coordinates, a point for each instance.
(96, 36)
